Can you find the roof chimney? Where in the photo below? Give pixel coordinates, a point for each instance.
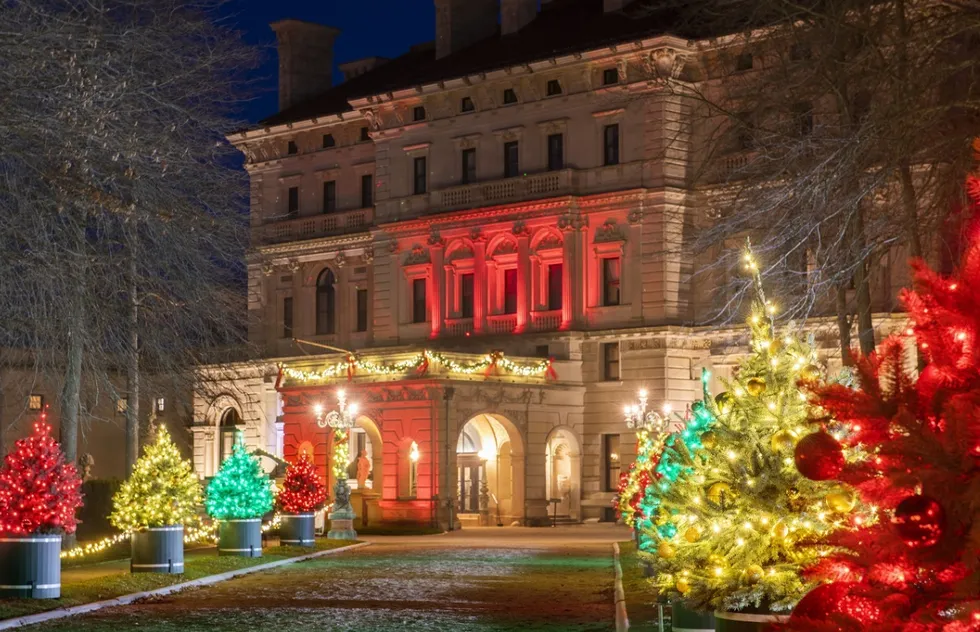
(516, 14)
(305, 60)
(460, 23)
(358, 67)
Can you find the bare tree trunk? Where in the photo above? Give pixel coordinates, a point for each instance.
(862, 285)
(71, 391)
(3, 407)
(844, 327)
(911, 211)
(133, 378)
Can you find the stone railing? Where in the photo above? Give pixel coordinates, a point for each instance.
(313, 226)
(502, 191)
(502, 323)
(459, 326)
(546, 321)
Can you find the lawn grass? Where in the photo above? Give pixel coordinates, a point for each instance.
(105, 580)
(641, 596)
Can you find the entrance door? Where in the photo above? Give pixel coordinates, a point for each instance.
(469, 487)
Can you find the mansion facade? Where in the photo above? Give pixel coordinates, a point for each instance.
(479, 242)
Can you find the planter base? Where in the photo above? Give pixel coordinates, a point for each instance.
(241, 538)
(297, 530)
(747, 622)
(685, 620)
(30, 566)
(158, 550)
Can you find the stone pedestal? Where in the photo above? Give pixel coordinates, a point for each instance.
(342, 524)
(367, 505)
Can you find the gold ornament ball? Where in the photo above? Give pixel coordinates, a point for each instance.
(775, 347)
(756, 386)
(692, 535)
(723, 400)
(810, 372)
(719, 492)
(683, 586)
(780, 530)
(666, 551)
(753, 574)
(717, 560)
(709, 440)
(782, 441)
(840, 502)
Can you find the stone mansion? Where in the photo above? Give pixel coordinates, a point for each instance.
(477, 241)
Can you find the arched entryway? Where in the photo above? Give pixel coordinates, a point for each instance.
(490, 469)
(366, 437)
(564, 473)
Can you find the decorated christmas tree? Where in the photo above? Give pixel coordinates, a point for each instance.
(743, 519)
(240, 489)
(162, 490)
(916, 568)
(39, 491)
(303, 490)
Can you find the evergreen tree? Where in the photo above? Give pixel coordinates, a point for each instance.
(240, 489)
(743, 517)
(303, 490)
(163, 489)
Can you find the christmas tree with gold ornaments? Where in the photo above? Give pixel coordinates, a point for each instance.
(162, 491)
(745, 520)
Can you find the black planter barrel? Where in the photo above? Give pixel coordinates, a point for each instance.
(747, 621)
(297, 530)
(30, 566)
(240, 537)
(685, 620)
(158, 550)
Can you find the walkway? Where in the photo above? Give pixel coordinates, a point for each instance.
(477, 580)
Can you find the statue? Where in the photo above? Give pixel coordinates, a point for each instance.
(363, 469)
(87, 462)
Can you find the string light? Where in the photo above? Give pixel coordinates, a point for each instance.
(240, 489)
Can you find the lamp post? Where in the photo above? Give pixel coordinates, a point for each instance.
(639, 418)
(341, 419)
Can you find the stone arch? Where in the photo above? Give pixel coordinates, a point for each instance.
(504, 243)
(461, 248)
(498, 462)
(376, 452)
(218, 439)
(563, 471)
(547, 238)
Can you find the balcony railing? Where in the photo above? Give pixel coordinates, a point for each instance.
(459, 326)
(311, 227)
(502, 323)
(501, 191)
(546, 321)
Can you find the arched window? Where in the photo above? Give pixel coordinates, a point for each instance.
(231, 423)
(326, 303)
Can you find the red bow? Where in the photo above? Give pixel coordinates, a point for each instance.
(423, 365)
(494, 357)
(549, 371)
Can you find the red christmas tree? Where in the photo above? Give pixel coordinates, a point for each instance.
(39, 492)
(916, 567)
(303, 490)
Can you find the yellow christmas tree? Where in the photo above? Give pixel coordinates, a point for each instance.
(746, 519)
(162, 490)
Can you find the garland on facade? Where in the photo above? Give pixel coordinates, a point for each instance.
(493, 363)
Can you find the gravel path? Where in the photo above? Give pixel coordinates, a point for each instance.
(394, 586)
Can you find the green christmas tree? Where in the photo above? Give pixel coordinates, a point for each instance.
(162, 490)
(240, 489)
(746, 519)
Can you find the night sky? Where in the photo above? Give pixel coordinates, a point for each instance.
(384, 28)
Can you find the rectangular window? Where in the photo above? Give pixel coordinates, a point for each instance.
(542, 351)
(328, 141)
(510, 96)
(511, 159)
(610, 454)
(610, 76)
(610, 281)
(556, 152)
(469, 165)
(610, 361)
(510, 291)
(292, 202)
(291, 148)
(35, 402)
(555, 284)
(419, 312)
(287, 317)
(803, 115)
(610, 145)
(365, 135)
(329, 196)
(362, 309)
(466, 105)
(367, 190)
(161, 404)
(418, 114)
(419, 175)
(466, 295)
(743, 62)
(554, 88)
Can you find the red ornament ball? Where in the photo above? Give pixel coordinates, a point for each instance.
(821, 603)
(819, 456)
(920, 521)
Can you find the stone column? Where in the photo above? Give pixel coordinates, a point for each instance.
(632, 269)
(523, 282)
(436, 284)
(481, 302)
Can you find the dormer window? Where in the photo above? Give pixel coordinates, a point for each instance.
(365, 136)
(328, 141)
(466, 105)
(610, 76)
(554, 88)
(291, 148)
(418, 114)
(510, 96)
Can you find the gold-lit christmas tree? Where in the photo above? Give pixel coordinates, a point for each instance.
(162, 490)
(746, 519)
